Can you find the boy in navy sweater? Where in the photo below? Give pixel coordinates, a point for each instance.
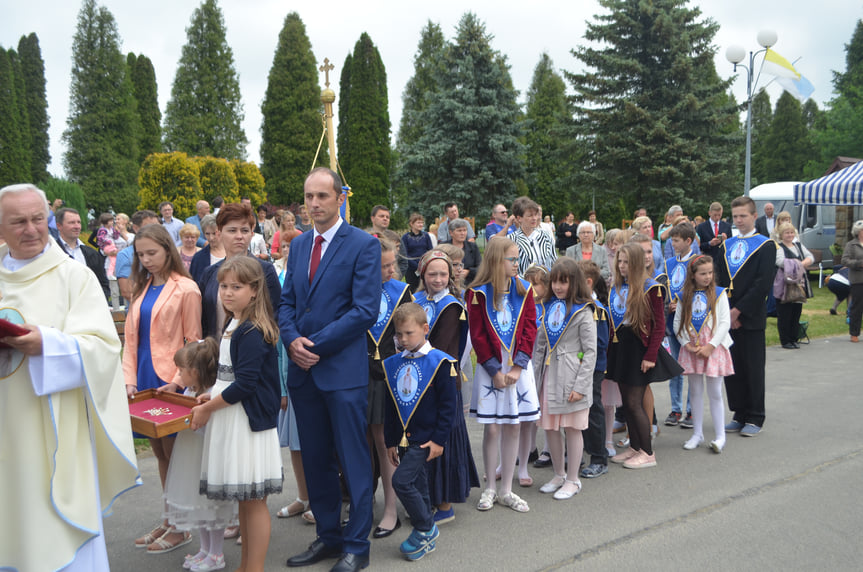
(420, 415)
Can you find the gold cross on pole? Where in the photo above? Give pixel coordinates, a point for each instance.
(326, 69)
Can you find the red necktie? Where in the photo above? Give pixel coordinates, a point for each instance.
(316, 257)
(715, 229)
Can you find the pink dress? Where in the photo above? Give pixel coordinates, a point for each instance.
(554, 421)
(718, 365)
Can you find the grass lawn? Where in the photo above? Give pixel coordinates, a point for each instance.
(816, 311)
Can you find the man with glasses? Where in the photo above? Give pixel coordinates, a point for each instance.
(498, 223)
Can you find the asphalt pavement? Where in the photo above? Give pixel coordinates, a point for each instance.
(788, 499)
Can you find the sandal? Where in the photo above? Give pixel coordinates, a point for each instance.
(232, 531)
(514, 502)
(163, 545)
(487, 500)
(296, 508)
(525, 482)
(309, 517)
(568, 489)
(151, 536)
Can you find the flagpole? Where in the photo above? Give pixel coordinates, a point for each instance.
(735, 55)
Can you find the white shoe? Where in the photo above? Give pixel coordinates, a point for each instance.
(553, 484)
(693, 442)
(717, 446)
(568, 490)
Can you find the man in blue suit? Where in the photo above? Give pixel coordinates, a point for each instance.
(331, 296)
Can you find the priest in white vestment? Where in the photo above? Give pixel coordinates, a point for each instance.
(66, 447)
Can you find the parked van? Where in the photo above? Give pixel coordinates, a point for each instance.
(816, 224)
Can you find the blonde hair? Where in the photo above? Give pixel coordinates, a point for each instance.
(455, 254)
(492, 270)
(638, 311)
(189, 229)
(409, 311)
(259, 312)
(782, 227)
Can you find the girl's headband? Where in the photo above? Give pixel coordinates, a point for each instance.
(432, 255)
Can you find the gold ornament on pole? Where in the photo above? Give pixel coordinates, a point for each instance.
(328, 96)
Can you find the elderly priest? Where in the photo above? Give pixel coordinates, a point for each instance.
(65, 440)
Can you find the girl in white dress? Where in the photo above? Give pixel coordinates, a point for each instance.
(502, 319)
(242, 459)
(702, 325)
(186, 508)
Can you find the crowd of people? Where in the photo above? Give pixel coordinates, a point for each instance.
(304, 332)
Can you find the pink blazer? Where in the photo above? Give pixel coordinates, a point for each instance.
(176, 319)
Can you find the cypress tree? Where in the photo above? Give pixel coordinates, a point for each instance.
(13, 146)
(547, 110)
(146, 95)
(469, 151)
(762, 115)
(102, 127)
(291, 127)
(205, 113)
(364, 129)
(22, 117)
(651, 109)
(33, 70)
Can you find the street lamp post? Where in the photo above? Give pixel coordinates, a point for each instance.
(735, 54)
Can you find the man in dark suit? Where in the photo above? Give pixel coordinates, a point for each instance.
(765, 224)
(712, 232)
(331, 296)
(69, 228)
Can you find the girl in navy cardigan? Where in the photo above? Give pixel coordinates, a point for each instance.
(242, 460)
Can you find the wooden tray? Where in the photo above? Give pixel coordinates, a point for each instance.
(158, 414)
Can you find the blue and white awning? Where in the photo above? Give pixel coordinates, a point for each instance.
(844, 187)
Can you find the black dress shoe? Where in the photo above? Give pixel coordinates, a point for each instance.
(384, 532)
(788, 346)
(350, 562)
(316, 552)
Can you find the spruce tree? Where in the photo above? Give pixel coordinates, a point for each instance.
(651, 109)
(849, 84)
(364, 130)
(419, 92)
(546, 114)
(291, 127)
(762, 115)
(13, 144)
(102, 127)
(146, 104)
(469, 151)
(787, 146)
(33, 70)
(205, 113)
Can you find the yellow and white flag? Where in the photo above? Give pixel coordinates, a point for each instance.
(789, 78)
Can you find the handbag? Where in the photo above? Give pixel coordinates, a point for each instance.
(794, 292)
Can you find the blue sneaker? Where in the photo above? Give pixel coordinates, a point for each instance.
(444, 516)
(750, 430)
(429, 547)
(734, 427)
(418, 542)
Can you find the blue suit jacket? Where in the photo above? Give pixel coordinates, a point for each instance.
(195, 220)
(334, 311)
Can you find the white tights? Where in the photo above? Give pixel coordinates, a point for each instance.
(574, 450)
(717, 407)
(506, 436)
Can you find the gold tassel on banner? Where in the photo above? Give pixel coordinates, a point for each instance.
(404, 441)
(595, 314)
(511, 362)
(614, 337)
(463, 316)
(548, 359)
(377, 353)
(452, 371)
(473, 301)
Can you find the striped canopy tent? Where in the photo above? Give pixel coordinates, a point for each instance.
(843, 187)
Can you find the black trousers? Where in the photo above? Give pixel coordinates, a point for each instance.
(745, 388)
(594, 435)
(855, 312)
(788, 321)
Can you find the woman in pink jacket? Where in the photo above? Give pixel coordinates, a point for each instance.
(165, 313)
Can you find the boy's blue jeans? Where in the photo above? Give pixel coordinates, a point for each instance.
(410, 481)
(675, 384)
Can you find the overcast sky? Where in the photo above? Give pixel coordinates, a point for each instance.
(814, 31)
